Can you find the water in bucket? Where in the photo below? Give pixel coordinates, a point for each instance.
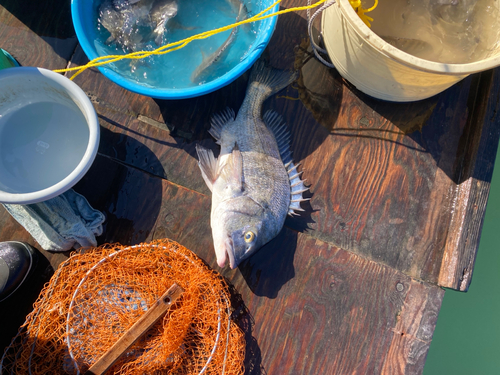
(447, 31)
(176, 70)
(40, 144)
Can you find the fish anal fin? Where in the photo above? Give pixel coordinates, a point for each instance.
(159, 39)
(110, 40)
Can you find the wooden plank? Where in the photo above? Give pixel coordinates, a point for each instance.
(38, 33)
(381, 185)
(385, 177)
(334, 312)
(421, 232)
(167, 129)
(143, 144)
(458, 128)
(479, 147)
(130, 199)
(140, 207)
(184, 118)
(398, 196)
(316, 308)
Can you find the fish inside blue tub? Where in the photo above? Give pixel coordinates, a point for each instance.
(124, 26)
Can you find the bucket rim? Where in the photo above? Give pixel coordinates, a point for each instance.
(407, 59)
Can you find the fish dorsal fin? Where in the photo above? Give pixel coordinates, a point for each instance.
(278, 127)
(276, 124)
(232, 171)
(209, 165)
(219, 121)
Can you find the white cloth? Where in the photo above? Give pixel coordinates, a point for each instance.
(61, 223)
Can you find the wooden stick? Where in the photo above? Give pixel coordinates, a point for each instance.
(154, 313)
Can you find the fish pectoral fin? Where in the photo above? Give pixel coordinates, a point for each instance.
(159, 38)
(232, 171)
(209, 165)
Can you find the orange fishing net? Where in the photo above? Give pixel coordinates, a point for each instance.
(94, 297)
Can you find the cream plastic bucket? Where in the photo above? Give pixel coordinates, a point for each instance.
(380, 70)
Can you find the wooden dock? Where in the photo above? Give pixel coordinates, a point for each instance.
(398, 195)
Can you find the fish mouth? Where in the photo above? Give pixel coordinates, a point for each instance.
(228, 252)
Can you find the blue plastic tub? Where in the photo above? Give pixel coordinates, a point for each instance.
(84, 20)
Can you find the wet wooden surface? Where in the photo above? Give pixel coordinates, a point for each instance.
(398, 195)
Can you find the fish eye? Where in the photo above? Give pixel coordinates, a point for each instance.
(249, 236)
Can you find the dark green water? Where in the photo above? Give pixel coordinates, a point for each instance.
(467, 336)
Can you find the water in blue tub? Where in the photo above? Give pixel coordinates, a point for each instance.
(124, 26)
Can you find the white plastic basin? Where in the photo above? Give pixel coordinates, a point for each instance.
(49, 134)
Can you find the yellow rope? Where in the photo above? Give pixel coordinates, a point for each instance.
(103, 60)
(356, 4)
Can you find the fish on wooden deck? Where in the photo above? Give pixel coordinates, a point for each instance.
(254, 181)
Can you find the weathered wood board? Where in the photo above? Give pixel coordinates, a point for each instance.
(398, 195)
(38, 33)
(310, 307)
(388, 180)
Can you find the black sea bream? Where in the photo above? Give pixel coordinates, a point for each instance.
(254, 183)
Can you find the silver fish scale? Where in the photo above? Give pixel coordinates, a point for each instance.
(266, 181)
(264, 175)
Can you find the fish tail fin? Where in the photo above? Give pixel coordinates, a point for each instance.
(242, 16)
(242, 13)
(266, 80)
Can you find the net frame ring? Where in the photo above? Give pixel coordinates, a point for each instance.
(142, 246)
